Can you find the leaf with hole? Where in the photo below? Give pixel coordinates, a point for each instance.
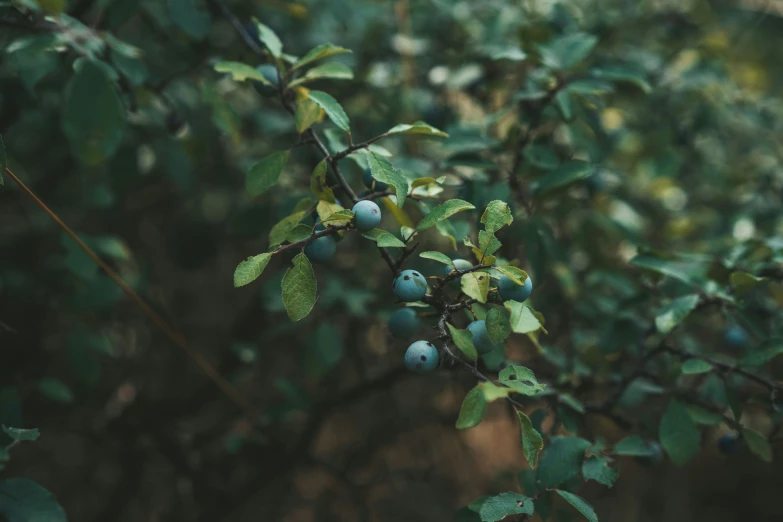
(521, 379)
(476, 285)
(496, 508)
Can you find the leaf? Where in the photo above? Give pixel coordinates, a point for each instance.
(476, 285)
(270, 40)
(56, 390)
(323, 351)
(561, 461)
(280, 231)
(678, 434)
(561, 177)
(743, 282)
(93, 114)
(564, 105)
(318, 184)
(307, 114)
(598, 469)
(264, 174)
(472, 411)
(693, 366)
(522, 319)
(318, 53)
(634, 446)
(496, 216)
(488, 244)
(703, 416)
(437, 256)
(331, 71)
(541, 156)
(250, 269)
(384, 239)
(191, 16)
(443, 211)
(332, 108)
(418, 127)
(623, 74)
(22, 500)
(299, 288)
(675, 312)
(299, 232)
(566, 51)
(463, 339)
(241, 71)
(498, 326)
(326, 210)
(383, 171)
(532, 442)
(517, 275)
(492, 392)
(500, 506)
(762, 357)
(758, 444)
(580, 504)
(521, 379)
(21, 434)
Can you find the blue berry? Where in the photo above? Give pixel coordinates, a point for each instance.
(367, 215)
(421, 357)
(459, 264)
(481, 338)
(371, 183)
(270, 73)
(321, 249)
(729, 443)
(409, 286)
(735, 335)
(510, 291)
(403, 323)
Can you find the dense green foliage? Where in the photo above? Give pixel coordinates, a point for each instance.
(575, 211)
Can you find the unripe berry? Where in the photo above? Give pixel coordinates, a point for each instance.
(367, 215)
(421, 357)
(729, 443)
(510, 291)
(270, 73)
(481, 338)
(321, 249)
(403, 323)
(371, 183)
(409, 286)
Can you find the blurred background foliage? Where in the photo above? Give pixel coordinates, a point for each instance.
(110, 110)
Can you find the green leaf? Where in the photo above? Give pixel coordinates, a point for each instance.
(488, 244)
(580, 504)
(521, 379)
(598, 469)
(675, 312)
(498, 325)
(762, 357)
(693, 366)
(758, 444)
(634, 446)
(333, 213)
(318, 53)
(383, 238)
(566, 51)
(250, 269)
(299, 288)
(541, 156)
(21, 434)
(561, 177)
(269, 39)
(264, 174)
(437, 256)
(561, 461)
(517, 275)
(672, 268)
(498, 507)
(678, 434)
(463, 339)
(191, 16)
(564, 105)
(743, 282)
(443, 211)
(383, 171)
(703, 416)
(532, 442)
(326, 71)
(492, 392)
(241, 71)
(623, 74)
(299, 232)
(280, 231)
(306, 115)
(93, 114)
(22, 500)
(318, 184)
(332, 108)
(476, 285)
(56, 390)
(522, 319)
(472, 411)
(418, 127)
(496, 216)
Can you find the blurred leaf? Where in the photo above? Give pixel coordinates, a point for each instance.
(580, 504)
(758, 444)
(264, 174)
(97, 293)
(318, 184)
(703, 416)
(249, 270)
(564, 105)
(743, 282)
(463, 339)
(561, 461)
(522, 319)
(318, 53)
(476, 285)
(566, 51)
(270, 40)
(675, 312)
(622, 74)
(332, 108)
(598, 469)
(762, 357)
(437, 256)
(498, 326)
(241, 72)
(561, 177)
(521, 379)
(418, 127)
(515, 54)
(56, 390)
(500, 506)
(678, 434)
(191, 16)
(299, 288)
(22, 500)
(541, 156)
(472, 411)
(384, 172)
(693, 366)
(21, 434)
(532, 442)
(496, 216)
(323, 351)
(443, 211)
(330, 71)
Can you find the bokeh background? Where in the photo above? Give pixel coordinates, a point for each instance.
(132, 430)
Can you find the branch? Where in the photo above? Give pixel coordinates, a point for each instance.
(353, 148)
(303, 242)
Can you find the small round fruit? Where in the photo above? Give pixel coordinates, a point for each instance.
(270, 74)
(321, 249)
(367, 215)
(403, 323)
(735, 335)
(421, 357)
(371, 183)
(654, 458)
(510, 291)
(481, 338)
(409, 286)
(729, 443)
(459, 264)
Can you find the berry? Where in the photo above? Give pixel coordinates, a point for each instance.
(403, 323)
(367, 215)
(371, 183)
(655, 458)
(510, 291)
(481, 338)
(729, 443)
(321, 249)
(270, 73)
(409, 286)
(735, 335)
(421, 357)
(459, 264)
